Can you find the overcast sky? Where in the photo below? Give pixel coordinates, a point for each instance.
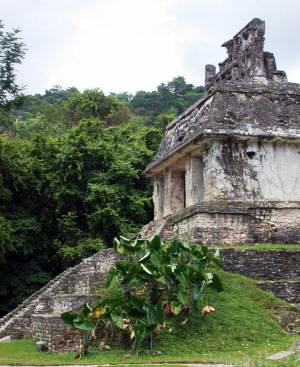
(130, 45)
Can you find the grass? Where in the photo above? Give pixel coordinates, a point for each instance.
(269, 246)
(242, 330)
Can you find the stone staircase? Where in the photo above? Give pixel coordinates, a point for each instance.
(39, 315)
(276, 271)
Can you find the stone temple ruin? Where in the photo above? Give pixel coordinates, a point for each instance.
(228, 169)
(227, 172)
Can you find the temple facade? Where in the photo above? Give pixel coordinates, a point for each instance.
(228, 169)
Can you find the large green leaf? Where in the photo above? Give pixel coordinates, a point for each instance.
(112, 279)
(144, 256)
(84, 325)
(68, 317)
(183, 297)
(155, 243)
(176, 307)
(117, 319)
(156, 259)
(183, 279)
(215, 260)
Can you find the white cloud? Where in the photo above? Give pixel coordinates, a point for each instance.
(126, 45)
(129, 45)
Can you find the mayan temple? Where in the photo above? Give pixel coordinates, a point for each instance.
(228, 169)
(227, 172)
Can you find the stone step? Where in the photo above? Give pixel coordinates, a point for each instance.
(82, 279)
(262, 264)
(287, 289)
(61, 303)
(9, 324)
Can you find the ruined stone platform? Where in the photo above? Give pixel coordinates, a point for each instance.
(38, 317)
(227, 170)
(231, 222)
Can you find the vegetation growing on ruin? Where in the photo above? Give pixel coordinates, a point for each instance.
(243, 329)
(152, 287)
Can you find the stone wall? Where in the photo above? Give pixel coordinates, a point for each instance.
(52, 330)
(277, 271)
(226, 222)
(259, 264)
(194, 180)
(252, 170)
(39, 316)
(229, 169)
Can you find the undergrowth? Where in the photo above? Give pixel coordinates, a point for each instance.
(242, 330)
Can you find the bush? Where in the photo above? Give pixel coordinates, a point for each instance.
(154, 285)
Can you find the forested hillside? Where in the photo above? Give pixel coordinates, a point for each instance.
(71, 170)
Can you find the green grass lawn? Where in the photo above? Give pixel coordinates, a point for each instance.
(241, 331)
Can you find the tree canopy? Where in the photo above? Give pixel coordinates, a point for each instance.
(71, 170)
(12, 51)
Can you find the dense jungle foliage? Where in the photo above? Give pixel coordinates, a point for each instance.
(71, 170)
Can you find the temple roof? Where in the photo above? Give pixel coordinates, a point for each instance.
(248, 97)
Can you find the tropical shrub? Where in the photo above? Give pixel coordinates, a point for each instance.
(154, 285)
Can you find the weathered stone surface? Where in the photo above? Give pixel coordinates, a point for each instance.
(5, 339)
(276, 271)
(252, 170)
(194, 185)
(240, 142)
(39, 316)
(277, 265)
(248, 97)
(243, 110)
(58, 337)
(228, 222)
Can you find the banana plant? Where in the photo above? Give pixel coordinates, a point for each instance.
(168, 279)
(156, 283)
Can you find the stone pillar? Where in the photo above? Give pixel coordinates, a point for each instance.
(210, 74)
(159, 196)
(194, 185)
(270, 64)
(174, 191)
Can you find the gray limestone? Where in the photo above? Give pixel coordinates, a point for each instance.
(236, 147)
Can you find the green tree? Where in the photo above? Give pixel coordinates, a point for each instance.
(24, 247)
(172, 97)
(12, 51)
(42, 113)
(92, 103)
(98, 184)
(72, 177)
